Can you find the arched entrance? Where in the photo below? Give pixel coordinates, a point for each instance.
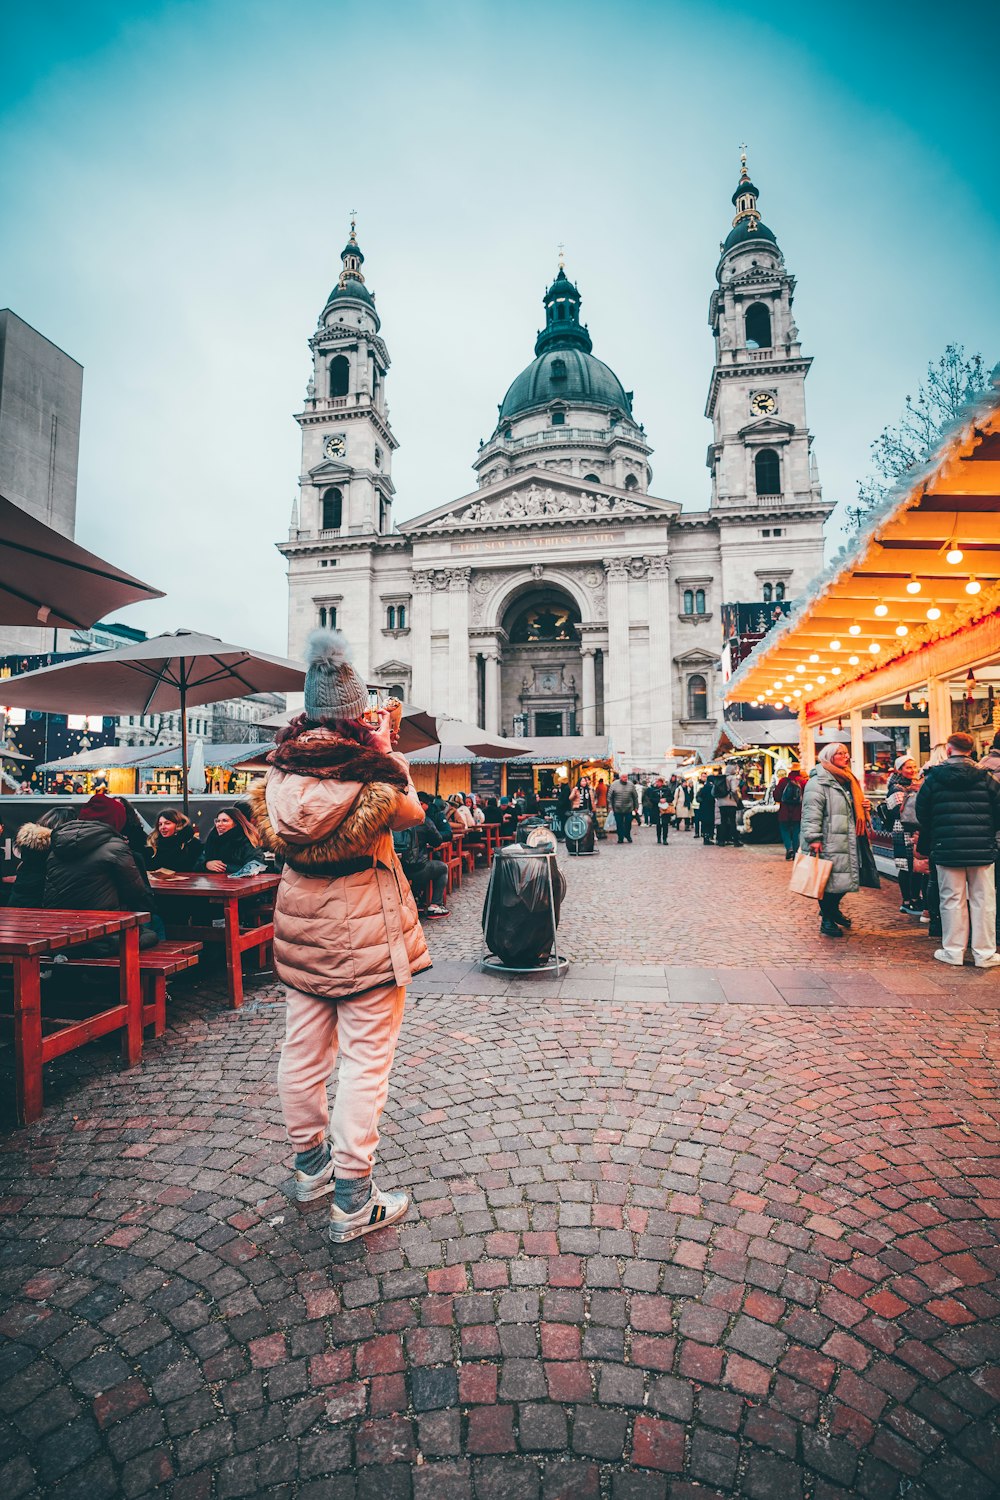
(541, 673)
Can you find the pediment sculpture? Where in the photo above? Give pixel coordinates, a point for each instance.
(534, 503)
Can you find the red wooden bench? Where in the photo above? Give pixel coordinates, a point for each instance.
(156, 965)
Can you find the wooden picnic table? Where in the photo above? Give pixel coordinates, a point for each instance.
(27, 935)
(226, 891)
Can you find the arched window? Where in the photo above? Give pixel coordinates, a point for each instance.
(699, 601)
(340, 375)
(322, 615)
(758, 326)
(768, 593)
(697, 697)
(591, 479)
(689, 601)
(631, 483)
(779, 591)
(390, 617)
(396, 690)
(333, 510)
(767, 472)
(401, 616)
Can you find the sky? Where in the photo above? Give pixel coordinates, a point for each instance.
(177, 180)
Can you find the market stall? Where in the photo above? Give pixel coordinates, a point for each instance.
(904, 631)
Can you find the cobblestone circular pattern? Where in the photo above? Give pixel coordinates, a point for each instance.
(658, 1248)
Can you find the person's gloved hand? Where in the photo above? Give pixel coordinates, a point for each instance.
(816, 847)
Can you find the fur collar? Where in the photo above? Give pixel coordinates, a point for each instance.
(368, 819)
(34, 836)
(321, 753)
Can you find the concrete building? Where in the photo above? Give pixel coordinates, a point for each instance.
(41, 390)
(561, 596)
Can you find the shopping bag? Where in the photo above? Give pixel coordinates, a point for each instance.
(609, 823)
(810, 874)
(868, 871)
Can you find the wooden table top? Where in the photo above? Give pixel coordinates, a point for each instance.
(207, 883)
(28, 931)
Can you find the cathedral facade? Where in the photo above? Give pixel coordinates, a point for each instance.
(560, 596)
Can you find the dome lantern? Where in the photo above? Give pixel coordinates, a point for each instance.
(747, 225)
(351, 282)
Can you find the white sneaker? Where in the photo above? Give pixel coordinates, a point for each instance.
(308, 1187)
(993, 962)
(942, 958)
(381, 1210)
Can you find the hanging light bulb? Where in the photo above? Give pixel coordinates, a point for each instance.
(854, 630)
(933, 613)
(853, 660)
(834, 645)
(875, 713)
(954, 553)
(973, 586)
(821, 678)
(902, 630)
(820, 729)
(835, 671)
(914, 586)
(970, 680)
(881, 609)
(814, 657)
(907, 703)
(874, 648)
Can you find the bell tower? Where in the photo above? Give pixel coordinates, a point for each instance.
(345, 484)
(761, 456)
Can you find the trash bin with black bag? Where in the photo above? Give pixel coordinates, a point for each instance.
(521, 910)
(580, 831)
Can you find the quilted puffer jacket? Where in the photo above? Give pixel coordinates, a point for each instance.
(32, 841)
(345, 920)
(91, 868)
(958, 809)
(828, 816)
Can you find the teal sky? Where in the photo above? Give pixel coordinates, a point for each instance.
(177, 179)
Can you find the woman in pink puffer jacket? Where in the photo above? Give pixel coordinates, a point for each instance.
(347, 938)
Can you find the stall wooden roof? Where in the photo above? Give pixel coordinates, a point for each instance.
(895, 610)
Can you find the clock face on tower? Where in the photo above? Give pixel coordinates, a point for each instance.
(763, 404)
(335, 445)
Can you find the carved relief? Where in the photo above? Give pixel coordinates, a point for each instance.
(423, 581)
(536, 503)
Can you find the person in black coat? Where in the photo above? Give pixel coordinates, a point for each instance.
(32, 842)
(958, 810)
(232, 844)
(91, 868)
(174, 843)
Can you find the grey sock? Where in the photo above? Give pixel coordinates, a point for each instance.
(350, 1193)
(313, 1160)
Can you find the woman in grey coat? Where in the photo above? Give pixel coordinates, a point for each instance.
(834, 815)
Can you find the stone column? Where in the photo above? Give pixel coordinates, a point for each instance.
(458, 643)
(618, 672)
(857, 744)
(660, 663)
(492, 693)
(589, 705)
(420, 635)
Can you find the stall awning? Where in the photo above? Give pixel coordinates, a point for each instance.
(105, 758)
(916, 595)
(538, 751)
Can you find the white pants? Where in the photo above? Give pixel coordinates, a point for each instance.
(968, 900)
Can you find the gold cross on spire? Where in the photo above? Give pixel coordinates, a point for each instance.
(562, 256)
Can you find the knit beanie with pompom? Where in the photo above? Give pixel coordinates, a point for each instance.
(333, 689)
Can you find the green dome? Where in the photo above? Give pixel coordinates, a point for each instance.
(742, 234)
(565, 374)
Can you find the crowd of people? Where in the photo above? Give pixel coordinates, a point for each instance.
(945, 829)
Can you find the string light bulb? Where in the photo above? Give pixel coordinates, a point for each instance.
(835, 671)
(814, 657)
(914, 586)
(881, 609)
(853, 660)
(902, 630)
(834, 645)
(854, 630)
(933, 613)
(875, 713)
(954, 553)
(973, 586)
(874, 648)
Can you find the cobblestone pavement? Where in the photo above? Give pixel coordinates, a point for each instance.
(686, 1228)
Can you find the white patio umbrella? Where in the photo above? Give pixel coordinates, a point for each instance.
(196, 780)
(162, 675)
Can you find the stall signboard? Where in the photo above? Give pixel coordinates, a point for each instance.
(520, 779)
(485, 778)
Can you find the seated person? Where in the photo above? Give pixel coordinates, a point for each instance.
(90, 867)
(233, 846)
(174, 845)
(434, 809)
(31, 845)
(478, 816)
(459, 815)
(492, 812)
(508, 817)
(427, 876)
